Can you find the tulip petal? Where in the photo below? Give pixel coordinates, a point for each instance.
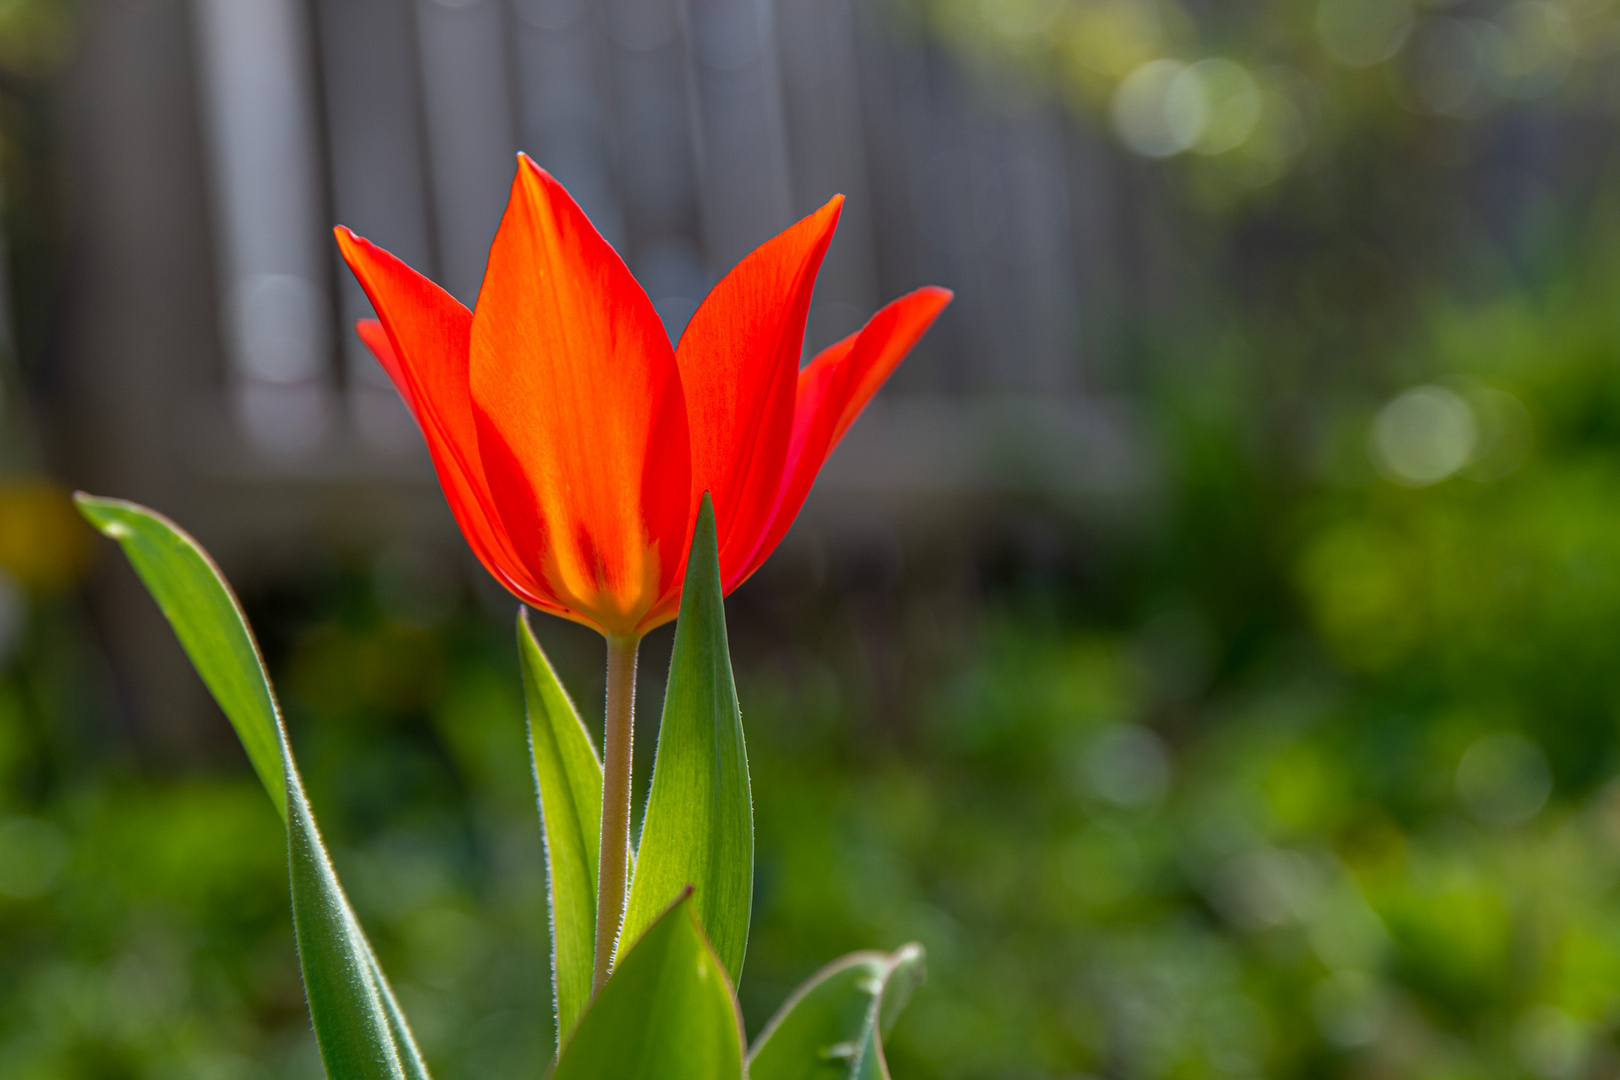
(879, 347)
(833, 389)
(375, 338)
(580, 415)
(739, 361)
(421, 341)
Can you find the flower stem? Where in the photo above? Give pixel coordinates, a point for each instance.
(614, 854)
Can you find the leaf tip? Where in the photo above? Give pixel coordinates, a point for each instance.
(101, 514)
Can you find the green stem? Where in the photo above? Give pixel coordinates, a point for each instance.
(614, 860)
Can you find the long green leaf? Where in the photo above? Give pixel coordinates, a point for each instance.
(193, 596)
(699, 826)
(832, 1028)
(358, 1023)
(568, 775)
(668, 1012)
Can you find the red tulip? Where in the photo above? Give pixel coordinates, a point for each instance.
(574, 444)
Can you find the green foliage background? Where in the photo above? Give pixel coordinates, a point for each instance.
(1283, 769)
(1192, 810)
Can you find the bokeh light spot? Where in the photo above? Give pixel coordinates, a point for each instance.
(1152, 117)
(1528, 49)
(1127, 765)
(1503, 779)
(1424, 436)
(1361, 33)
(1227, 100)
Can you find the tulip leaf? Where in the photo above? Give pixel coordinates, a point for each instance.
(699, 825)
(568, 775)
(667, 1013)
(191, 592)
(833, 1026)
(358, 1023)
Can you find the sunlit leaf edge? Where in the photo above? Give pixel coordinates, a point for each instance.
(698, 829)
(568, 780)
(381, 1043)
(899, 974)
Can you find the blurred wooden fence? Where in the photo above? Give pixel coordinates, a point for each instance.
(210, 364)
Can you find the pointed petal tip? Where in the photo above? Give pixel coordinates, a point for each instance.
(372, 333)
(348, 240)
(354, 248)
(536, 183)
(928, 301)
(829, 213)
(527, 164)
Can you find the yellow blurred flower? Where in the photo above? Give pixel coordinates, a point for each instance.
(43, 543)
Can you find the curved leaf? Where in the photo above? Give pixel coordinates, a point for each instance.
(699, 826)
(361, 1031)
(568, 775)
(832, 1028)
(193, 596)
(667, 1013)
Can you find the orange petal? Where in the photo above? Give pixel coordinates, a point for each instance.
(421, 341)
(371, 332)
(882, 343)
(581, 420)
(833, 389)
(739, 361)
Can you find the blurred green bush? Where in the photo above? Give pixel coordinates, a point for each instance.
(1316, 779)
(1309, 771)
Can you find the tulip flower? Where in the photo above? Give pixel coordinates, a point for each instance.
(575, 445)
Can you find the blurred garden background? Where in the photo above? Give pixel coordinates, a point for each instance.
(1208, 647)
